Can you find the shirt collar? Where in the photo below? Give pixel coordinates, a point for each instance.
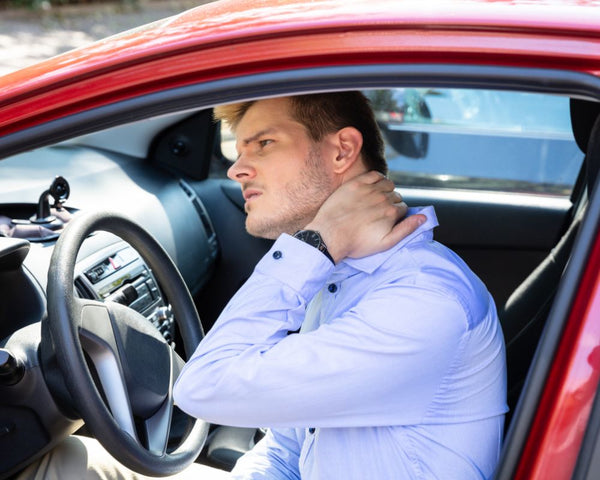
(372, 262)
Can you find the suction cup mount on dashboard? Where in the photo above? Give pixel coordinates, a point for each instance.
(59, 190)
(48, 220)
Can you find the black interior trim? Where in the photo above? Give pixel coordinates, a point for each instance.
(181, 148)
(583, 117)
(296, 81)
(23, 301)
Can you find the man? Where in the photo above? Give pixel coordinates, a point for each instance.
(398, 370)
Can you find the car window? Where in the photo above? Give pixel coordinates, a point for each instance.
(473, 139)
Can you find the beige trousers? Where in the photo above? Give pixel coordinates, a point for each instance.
(83, 458)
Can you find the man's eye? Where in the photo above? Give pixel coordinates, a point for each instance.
(264, 143)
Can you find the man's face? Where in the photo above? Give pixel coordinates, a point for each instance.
(281, 172)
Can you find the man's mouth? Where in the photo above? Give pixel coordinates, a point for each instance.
(251, 194)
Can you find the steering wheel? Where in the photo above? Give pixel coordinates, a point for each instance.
(125, 398)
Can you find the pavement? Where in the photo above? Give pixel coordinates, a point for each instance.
(27, 37)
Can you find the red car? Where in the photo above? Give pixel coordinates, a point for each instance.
(490, 111)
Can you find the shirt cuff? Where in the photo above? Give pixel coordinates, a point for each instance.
(296, 264)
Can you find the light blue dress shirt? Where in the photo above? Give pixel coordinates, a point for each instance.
(398, 371)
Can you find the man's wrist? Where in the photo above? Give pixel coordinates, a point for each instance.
(314, 239)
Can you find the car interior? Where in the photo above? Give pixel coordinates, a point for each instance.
(510, 173)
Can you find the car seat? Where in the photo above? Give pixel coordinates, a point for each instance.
(524, 314)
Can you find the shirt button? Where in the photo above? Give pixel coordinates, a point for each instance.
(277, 254)
(311, 430)
(332, 287)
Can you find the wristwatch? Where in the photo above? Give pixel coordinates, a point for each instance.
(314, 239)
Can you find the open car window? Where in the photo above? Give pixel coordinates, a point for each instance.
(473, 139)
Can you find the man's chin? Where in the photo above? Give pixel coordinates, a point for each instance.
(262, 231)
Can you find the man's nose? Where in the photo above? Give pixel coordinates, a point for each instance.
(241, 170)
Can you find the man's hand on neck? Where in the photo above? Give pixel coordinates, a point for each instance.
(362, 217)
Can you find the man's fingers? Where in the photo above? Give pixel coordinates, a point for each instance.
(402, 208)
(375, 181)
(405, 228)
(370, 177)
(361, 217)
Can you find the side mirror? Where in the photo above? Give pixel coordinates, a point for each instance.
(411, 144)
(399, 114)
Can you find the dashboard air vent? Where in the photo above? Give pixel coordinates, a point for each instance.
(206, 223)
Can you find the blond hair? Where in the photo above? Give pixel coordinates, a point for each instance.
(232, 113)
(324, 113)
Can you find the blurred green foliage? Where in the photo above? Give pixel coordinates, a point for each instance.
(382, 100)
(48, 4)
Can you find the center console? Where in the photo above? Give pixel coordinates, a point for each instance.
(118, 273)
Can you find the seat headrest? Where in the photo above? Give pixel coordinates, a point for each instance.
(583, 116)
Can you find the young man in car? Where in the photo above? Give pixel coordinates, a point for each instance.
(398, 369)
(368, 349)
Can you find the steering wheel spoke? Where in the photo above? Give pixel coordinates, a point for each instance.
(98, 341)
(158, 426)
(90, 314)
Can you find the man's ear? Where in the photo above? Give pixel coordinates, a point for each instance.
(348, 143)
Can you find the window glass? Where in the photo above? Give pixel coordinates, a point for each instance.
(473, 139)
(478, 139)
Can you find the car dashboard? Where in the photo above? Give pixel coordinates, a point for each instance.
(107, 268)
(101, 180)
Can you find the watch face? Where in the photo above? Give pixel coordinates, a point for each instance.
(309, 236)
(313, 238)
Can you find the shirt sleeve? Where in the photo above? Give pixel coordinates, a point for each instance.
(275, 457)
(373, 365)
